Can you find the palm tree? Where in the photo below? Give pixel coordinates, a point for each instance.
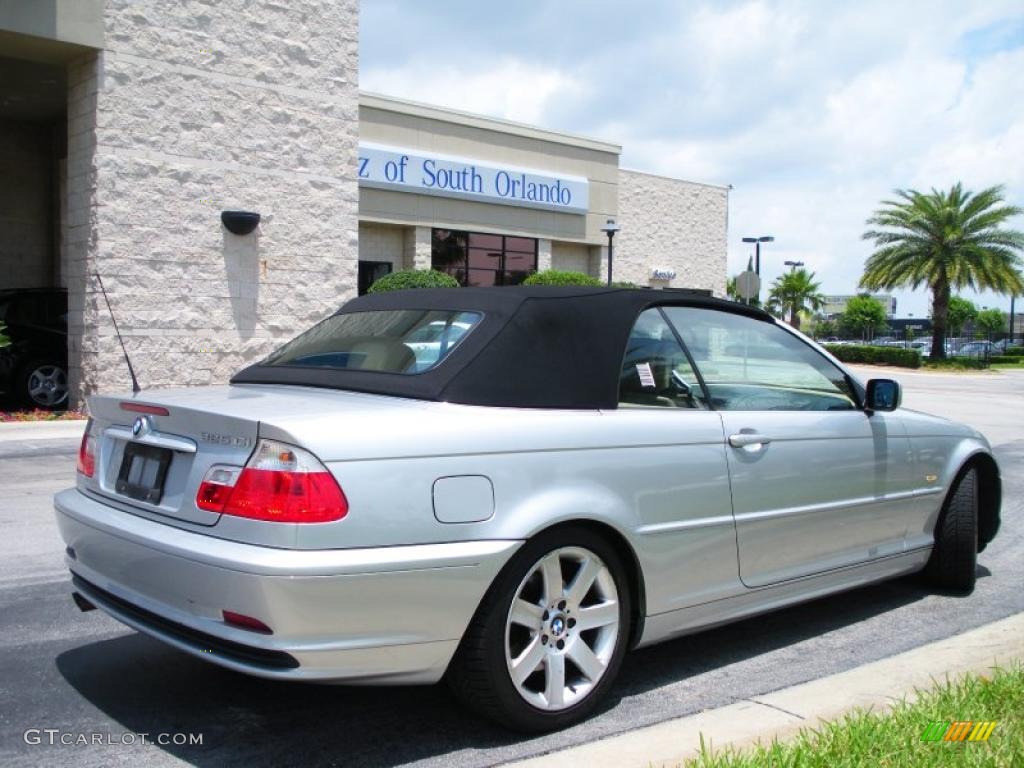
(793, 293)
(945, 241)
(731, 291)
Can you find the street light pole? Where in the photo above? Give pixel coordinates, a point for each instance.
(757, 253)
(1013, 299)
(793, 265)
(610, 228)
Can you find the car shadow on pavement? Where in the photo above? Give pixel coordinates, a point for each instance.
(147, 687)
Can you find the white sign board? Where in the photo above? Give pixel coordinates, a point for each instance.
(427, 173)
(748, 284)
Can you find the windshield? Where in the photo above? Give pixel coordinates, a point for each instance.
(386, 341)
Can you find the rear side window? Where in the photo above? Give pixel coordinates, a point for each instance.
(655, 371)
(388, 341)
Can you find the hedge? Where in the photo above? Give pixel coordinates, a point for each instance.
(904, 358)
(1006, 359)
(413, 278)
(558, 277)
(1015, 350)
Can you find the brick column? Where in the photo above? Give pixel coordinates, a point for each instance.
(188, 112)
(543, 255)
(417, 248)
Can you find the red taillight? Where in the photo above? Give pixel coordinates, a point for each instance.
(155, 410)
(242, 621)
(216, 487)
(87, 453)
(280, 484)
(287, 497)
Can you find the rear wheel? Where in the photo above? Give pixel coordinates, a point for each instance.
(954, 560)
(549, 636)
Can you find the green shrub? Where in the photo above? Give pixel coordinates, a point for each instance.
(559, 277)
(1006, 359)
(904, 358)
(623, 284)
(1015, 350)
(413, 278)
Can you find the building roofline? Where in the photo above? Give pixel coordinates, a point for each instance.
(445, 114)
(675, 178)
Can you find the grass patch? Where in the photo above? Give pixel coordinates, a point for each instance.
(894, 740)
(956, 364)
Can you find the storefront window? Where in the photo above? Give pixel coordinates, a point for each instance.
(479, 259)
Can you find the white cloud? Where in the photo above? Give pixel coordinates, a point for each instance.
(814, 111)
(510, 89)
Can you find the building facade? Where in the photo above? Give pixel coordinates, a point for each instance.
(490, 202)
(835, 305)
(128, 128)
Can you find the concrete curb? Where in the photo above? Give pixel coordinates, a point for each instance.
(41, 430)
(780, 714)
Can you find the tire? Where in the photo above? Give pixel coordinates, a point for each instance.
(43, 384)
(543, 633)
(954, 559)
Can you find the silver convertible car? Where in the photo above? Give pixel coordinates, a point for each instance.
(563, 475)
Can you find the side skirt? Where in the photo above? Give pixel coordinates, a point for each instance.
(664, 626)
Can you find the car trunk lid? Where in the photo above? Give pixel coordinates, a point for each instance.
(156, 446)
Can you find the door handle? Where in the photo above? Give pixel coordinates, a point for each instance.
(752, 441)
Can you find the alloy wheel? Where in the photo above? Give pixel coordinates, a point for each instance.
(562, 628)
(47, 385)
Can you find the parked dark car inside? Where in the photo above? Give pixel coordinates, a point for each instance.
(34, 366)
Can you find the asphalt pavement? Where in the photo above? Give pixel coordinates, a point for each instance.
(75, 673)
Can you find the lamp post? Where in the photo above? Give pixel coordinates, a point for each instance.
(610, 228)
(1013, 300)
(757, 253)
(757, 249)
(793, 265)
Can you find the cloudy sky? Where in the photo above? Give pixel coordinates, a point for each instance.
(813, 111)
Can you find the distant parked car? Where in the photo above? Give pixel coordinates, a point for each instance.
(975, 349)
(34, 368)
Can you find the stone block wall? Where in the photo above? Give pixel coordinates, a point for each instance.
(574, 257)
(192, 108)
(383, 242)
(674, 225)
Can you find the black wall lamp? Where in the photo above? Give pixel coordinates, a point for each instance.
(239, 222)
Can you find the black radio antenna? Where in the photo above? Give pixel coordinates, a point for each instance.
(135, 382)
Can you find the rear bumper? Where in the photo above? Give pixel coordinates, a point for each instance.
(378, 615)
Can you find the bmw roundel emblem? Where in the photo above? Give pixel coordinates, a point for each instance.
(140, 427)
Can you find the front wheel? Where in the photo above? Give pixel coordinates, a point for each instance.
(549, 636)
(954, 559)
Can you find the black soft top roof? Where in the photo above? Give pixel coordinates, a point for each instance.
(536, 347)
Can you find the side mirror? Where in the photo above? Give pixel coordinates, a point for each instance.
(883, 395)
